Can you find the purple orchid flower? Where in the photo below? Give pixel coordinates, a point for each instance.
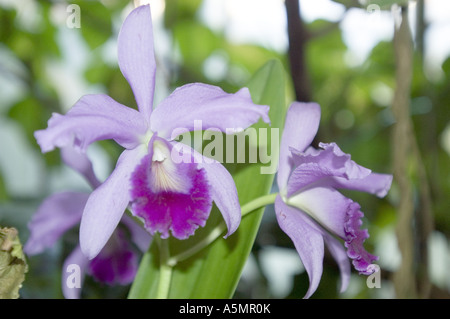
(309, 207)
(170, 197)
(117, 262)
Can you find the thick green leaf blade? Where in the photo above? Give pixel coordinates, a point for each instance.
(215, 271)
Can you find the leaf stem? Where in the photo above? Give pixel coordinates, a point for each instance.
(258, 203)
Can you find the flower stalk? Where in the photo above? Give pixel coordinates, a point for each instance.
(165, 274)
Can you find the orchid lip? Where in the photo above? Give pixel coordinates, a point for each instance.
(169, 197)
(164, 173)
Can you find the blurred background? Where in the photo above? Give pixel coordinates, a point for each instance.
(341, 54)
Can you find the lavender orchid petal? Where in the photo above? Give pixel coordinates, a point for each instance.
(377, 184)
(326, 205)
(339, 254)
(107, 203)
(302, 123)
(330, 166)
(210, 105)
(307, 175)
(75, 263)
(53, 218)
(307, 238)
(80, 163)
(93, 118)
(139, 235)
(137, 59)
(224, 194)
(331, 157)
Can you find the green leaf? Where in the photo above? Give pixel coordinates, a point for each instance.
(95, 23)
(13, 265)
(215, 271)
(386, 4)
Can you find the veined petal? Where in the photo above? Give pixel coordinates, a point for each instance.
(107, 203)
(94, 117)
(136, 57)
(73, 274)
(307, 238)
(57, 214)
(377, 184)
(332, 167)
(300, 128)
(308, 175)
(223, 189)
(206, 106)
(331, 158)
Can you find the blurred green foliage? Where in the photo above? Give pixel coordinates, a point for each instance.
(355, 103)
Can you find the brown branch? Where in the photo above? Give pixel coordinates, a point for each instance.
(298, 37)
(404, 278)
(415, 222)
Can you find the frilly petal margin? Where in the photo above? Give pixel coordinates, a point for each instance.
(136, 57)
(354, 240)
(307, 238)
(208, 105)
(332, 158)
(223, 188)
(107, 203)
(57, 213)
(302, 123)
(94, 117)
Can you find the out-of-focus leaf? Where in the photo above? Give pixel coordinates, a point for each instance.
(196, 43)
(386, 4)
(215, 271)
(95, 23)
(30, 115)
(372, 4)
(3, 192)
(13, 265)
(179, 10)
